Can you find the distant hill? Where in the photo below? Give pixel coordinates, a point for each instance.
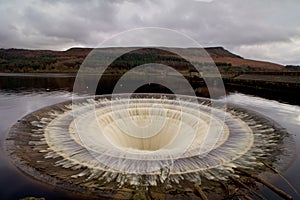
(22, 60)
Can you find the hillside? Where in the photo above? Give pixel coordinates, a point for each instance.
(22, 60)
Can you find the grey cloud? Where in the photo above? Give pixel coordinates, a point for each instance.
(231, 23)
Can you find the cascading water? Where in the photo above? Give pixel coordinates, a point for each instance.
(142, 140)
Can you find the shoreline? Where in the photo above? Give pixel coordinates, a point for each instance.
(275, 87)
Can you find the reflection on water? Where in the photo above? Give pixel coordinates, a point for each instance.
(13, 106)
(288, 117)
(31, 82)
(20, 96)
(106, 85)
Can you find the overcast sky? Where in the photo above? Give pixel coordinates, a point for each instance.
(259, 29)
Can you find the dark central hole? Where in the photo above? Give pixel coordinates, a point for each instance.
(153, 88)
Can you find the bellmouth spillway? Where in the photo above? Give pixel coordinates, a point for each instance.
(142, 140)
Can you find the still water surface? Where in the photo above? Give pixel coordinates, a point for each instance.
(20, 96)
